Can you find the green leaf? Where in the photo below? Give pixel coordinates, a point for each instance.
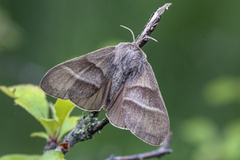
(68, 125)
(30, 97)
(50, 126)
(53, 111)
(231, 141)
(7, 91)
(222, 91)
(20, 157)
(39, 134)
(199, 130)
(52, 155)
(63, 109)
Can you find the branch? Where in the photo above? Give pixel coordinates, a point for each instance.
(89, 125)
(151, 25)
(98, 126)
(84, 130)
(164, 149)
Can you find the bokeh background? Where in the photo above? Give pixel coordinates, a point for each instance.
(196, 62)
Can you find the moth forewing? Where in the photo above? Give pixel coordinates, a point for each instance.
(81, 78)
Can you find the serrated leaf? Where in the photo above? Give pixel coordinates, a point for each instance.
(30, 97)
(50, 126)
(39, 134)
(20, 157)
(63, 109)
(52, 155)
(68, 125)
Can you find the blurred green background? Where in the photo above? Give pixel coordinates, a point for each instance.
(196, 62)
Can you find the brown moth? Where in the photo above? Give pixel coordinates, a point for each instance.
(118, 79)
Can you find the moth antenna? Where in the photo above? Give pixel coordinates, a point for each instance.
(130, 31)
(147, 37)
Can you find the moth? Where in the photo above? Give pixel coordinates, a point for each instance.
(118, 79)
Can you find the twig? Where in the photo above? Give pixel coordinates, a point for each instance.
(50, 145)
(164, 149)
(89, 125)
(98, 126)
(152, 24)
(84, 130)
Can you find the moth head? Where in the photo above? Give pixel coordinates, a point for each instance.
(134, 40)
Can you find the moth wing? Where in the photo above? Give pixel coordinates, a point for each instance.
(97, 101)
(143, 108)
(114, 110)
(84, 80)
